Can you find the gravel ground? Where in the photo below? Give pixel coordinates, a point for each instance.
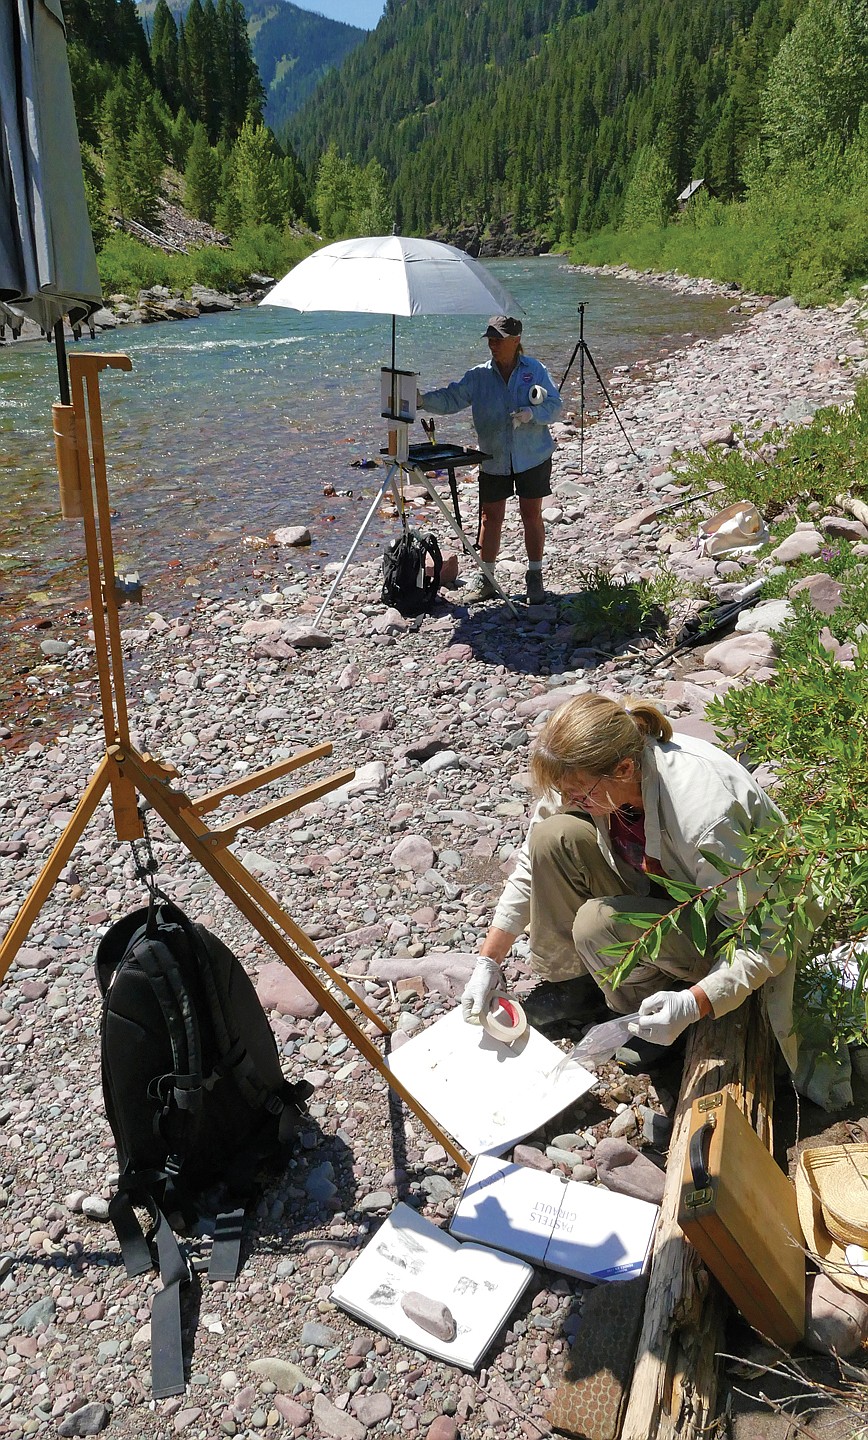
(387, 875)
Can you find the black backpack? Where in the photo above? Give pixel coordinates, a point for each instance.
(195, 1097)
(405, 583)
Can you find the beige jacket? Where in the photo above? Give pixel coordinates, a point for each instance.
(696, 798)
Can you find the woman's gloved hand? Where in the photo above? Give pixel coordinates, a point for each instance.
(522, 417)
(662, 1017)
(486, 980)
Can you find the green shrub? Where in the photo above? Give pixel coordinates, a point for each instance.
(612, 608)
(127, 266)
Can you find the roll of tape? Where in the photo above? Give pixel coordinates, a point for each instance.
(536, 395)
(505, 1019)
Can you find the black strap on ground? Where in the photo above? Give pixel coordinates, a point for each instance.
(167, 1353)
(226, 1252)
(134, 1247)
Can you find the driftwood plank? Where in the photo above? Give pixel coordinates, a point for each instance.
(674, 1391)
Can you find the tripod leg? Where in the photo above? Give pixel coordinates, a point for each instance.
(47, 878)
(378, 500)
(610, 400)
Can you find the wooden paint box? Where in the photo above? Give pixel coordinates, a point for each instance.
(739, 1210)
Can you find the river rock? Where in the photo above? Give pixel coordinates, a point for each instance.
(823, 592)
(623, 1168)
(292, 535)
(837, 1318)
(371, 1409)
(413, 852)
(305, 637)
(766, 617)
(432, 1316)
(798, 546)
(336, 1423)
(87, 1420)
(738, 654)
(279, 990)
(839, 528)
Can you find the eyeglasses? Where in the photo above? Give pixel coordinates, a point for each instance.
(583, 796)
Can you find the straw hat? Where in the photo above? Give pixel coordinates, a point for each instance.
(832, 1196)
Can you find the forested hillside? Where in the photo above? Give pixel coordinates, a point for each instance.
(537, 108)
(293, 49)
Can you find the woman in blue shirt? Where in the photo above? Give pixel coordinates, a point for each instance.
(513, 398)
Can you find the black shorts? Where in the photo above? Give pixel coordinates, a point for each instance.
(527, 484)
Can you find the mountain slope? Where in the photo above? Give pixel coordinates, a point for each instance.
(293, 49)
(536, 109)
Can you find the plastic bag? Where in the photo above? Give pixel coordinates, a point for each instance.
(601, 1041)
(738, 527)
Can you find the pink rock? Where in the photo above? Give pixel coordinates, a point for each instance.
(633, 523)
(723, 435)
(840, 529)
(375, 722)
(413, 852)
(740, 653)
(801, 543)
(336, 1423)
(699, 729)
(449, 568)
(290, 1410)
(458, 651)
(279, 990)
(823, 592)
(432, 1316)
(371, 1409)
(443, 1428)
(623, 1168)
(837, 1318)
(534, 1159)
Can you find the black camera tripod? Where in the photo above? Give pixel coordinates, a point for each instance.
(583, 352)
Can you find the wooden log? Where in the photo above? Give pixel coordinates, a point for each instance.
(675, 1381)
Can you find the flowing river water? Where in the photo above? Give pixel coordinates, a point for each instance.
(232, 425)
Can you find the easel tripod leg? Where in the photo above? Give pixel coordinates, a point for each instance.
(47, 878)
(378, 500)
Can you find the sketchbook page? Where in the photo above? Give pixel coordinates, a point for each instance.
(485, 1093)
(509, 1206)
(578, 1229)
(480, 1286)
(601, 1235)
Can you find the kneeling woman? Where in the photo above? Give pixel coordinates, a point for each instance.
(625, 801)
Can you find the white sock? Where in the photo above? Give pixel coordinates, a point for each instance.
(534, 565)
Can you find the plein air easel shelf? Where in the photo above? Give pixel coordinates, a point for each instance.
(128, 774)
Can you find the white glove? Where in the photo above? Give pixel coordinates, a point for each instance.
(486, 980)
(663, 1016)
(522, 417)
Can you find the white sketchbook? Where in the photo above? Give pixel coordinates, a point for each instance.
(578, 1229)
(479, 1285)
(485, 1093)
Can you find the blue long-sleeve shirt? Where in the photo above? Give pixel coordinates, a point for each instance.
(494, 401)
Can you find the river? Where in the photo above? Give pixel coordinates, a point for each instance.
(232, 425)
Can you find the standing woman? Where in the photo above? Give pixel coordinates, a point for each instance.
(513, 399)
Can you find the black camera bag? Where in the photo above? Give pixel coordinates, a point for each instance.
(406, 584)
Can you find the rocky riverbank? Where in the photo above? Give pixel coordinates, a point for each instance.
(148, 307)
(394, 876)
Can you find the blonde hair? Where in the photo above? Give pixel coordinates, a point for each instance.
(593, 733)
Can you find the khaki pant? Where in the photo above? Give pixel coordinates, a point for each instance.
(577, 902)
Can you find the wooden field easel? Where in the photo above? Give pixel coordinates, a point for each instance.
(129, 774)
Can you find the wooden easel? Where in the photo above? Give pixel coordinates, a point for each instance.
(130, 774)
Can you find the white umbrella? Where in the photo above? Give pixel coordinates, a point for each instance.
(392, 275)
(47, 263)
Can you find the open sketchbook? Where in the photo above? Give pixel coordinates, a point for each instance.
(578, 1229)
(479, 1285)
(485, 1093)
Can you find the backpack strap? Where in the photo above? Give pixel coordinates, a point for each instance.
(233, 1056)
(226, 1250)
(167, 1353)
(161, 967)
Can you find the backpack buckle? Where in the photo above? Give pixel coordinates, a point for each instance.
(274, 1105)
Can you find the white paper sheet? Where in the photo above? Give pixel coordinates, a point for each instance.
(487, 1094)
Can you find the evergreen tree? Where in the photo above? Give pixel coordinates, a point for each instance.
(650, 196)
(116, 123)
(239, 88)
(334, 200)
(164, 54)
(258, 178)
(818, 81)
(202, 176)
(373, 211)
(145, 163)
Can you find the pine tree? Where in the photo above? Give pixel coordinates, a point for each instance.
(333, 195)
(257, 178)
(202, 176)
(145, 163)
(164, 54)
(650, 195)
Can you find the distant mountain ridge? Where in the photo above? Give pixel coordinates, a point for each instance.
(293, 48)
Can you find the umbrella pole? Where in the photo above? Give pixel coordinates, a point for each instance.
(62, 372)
